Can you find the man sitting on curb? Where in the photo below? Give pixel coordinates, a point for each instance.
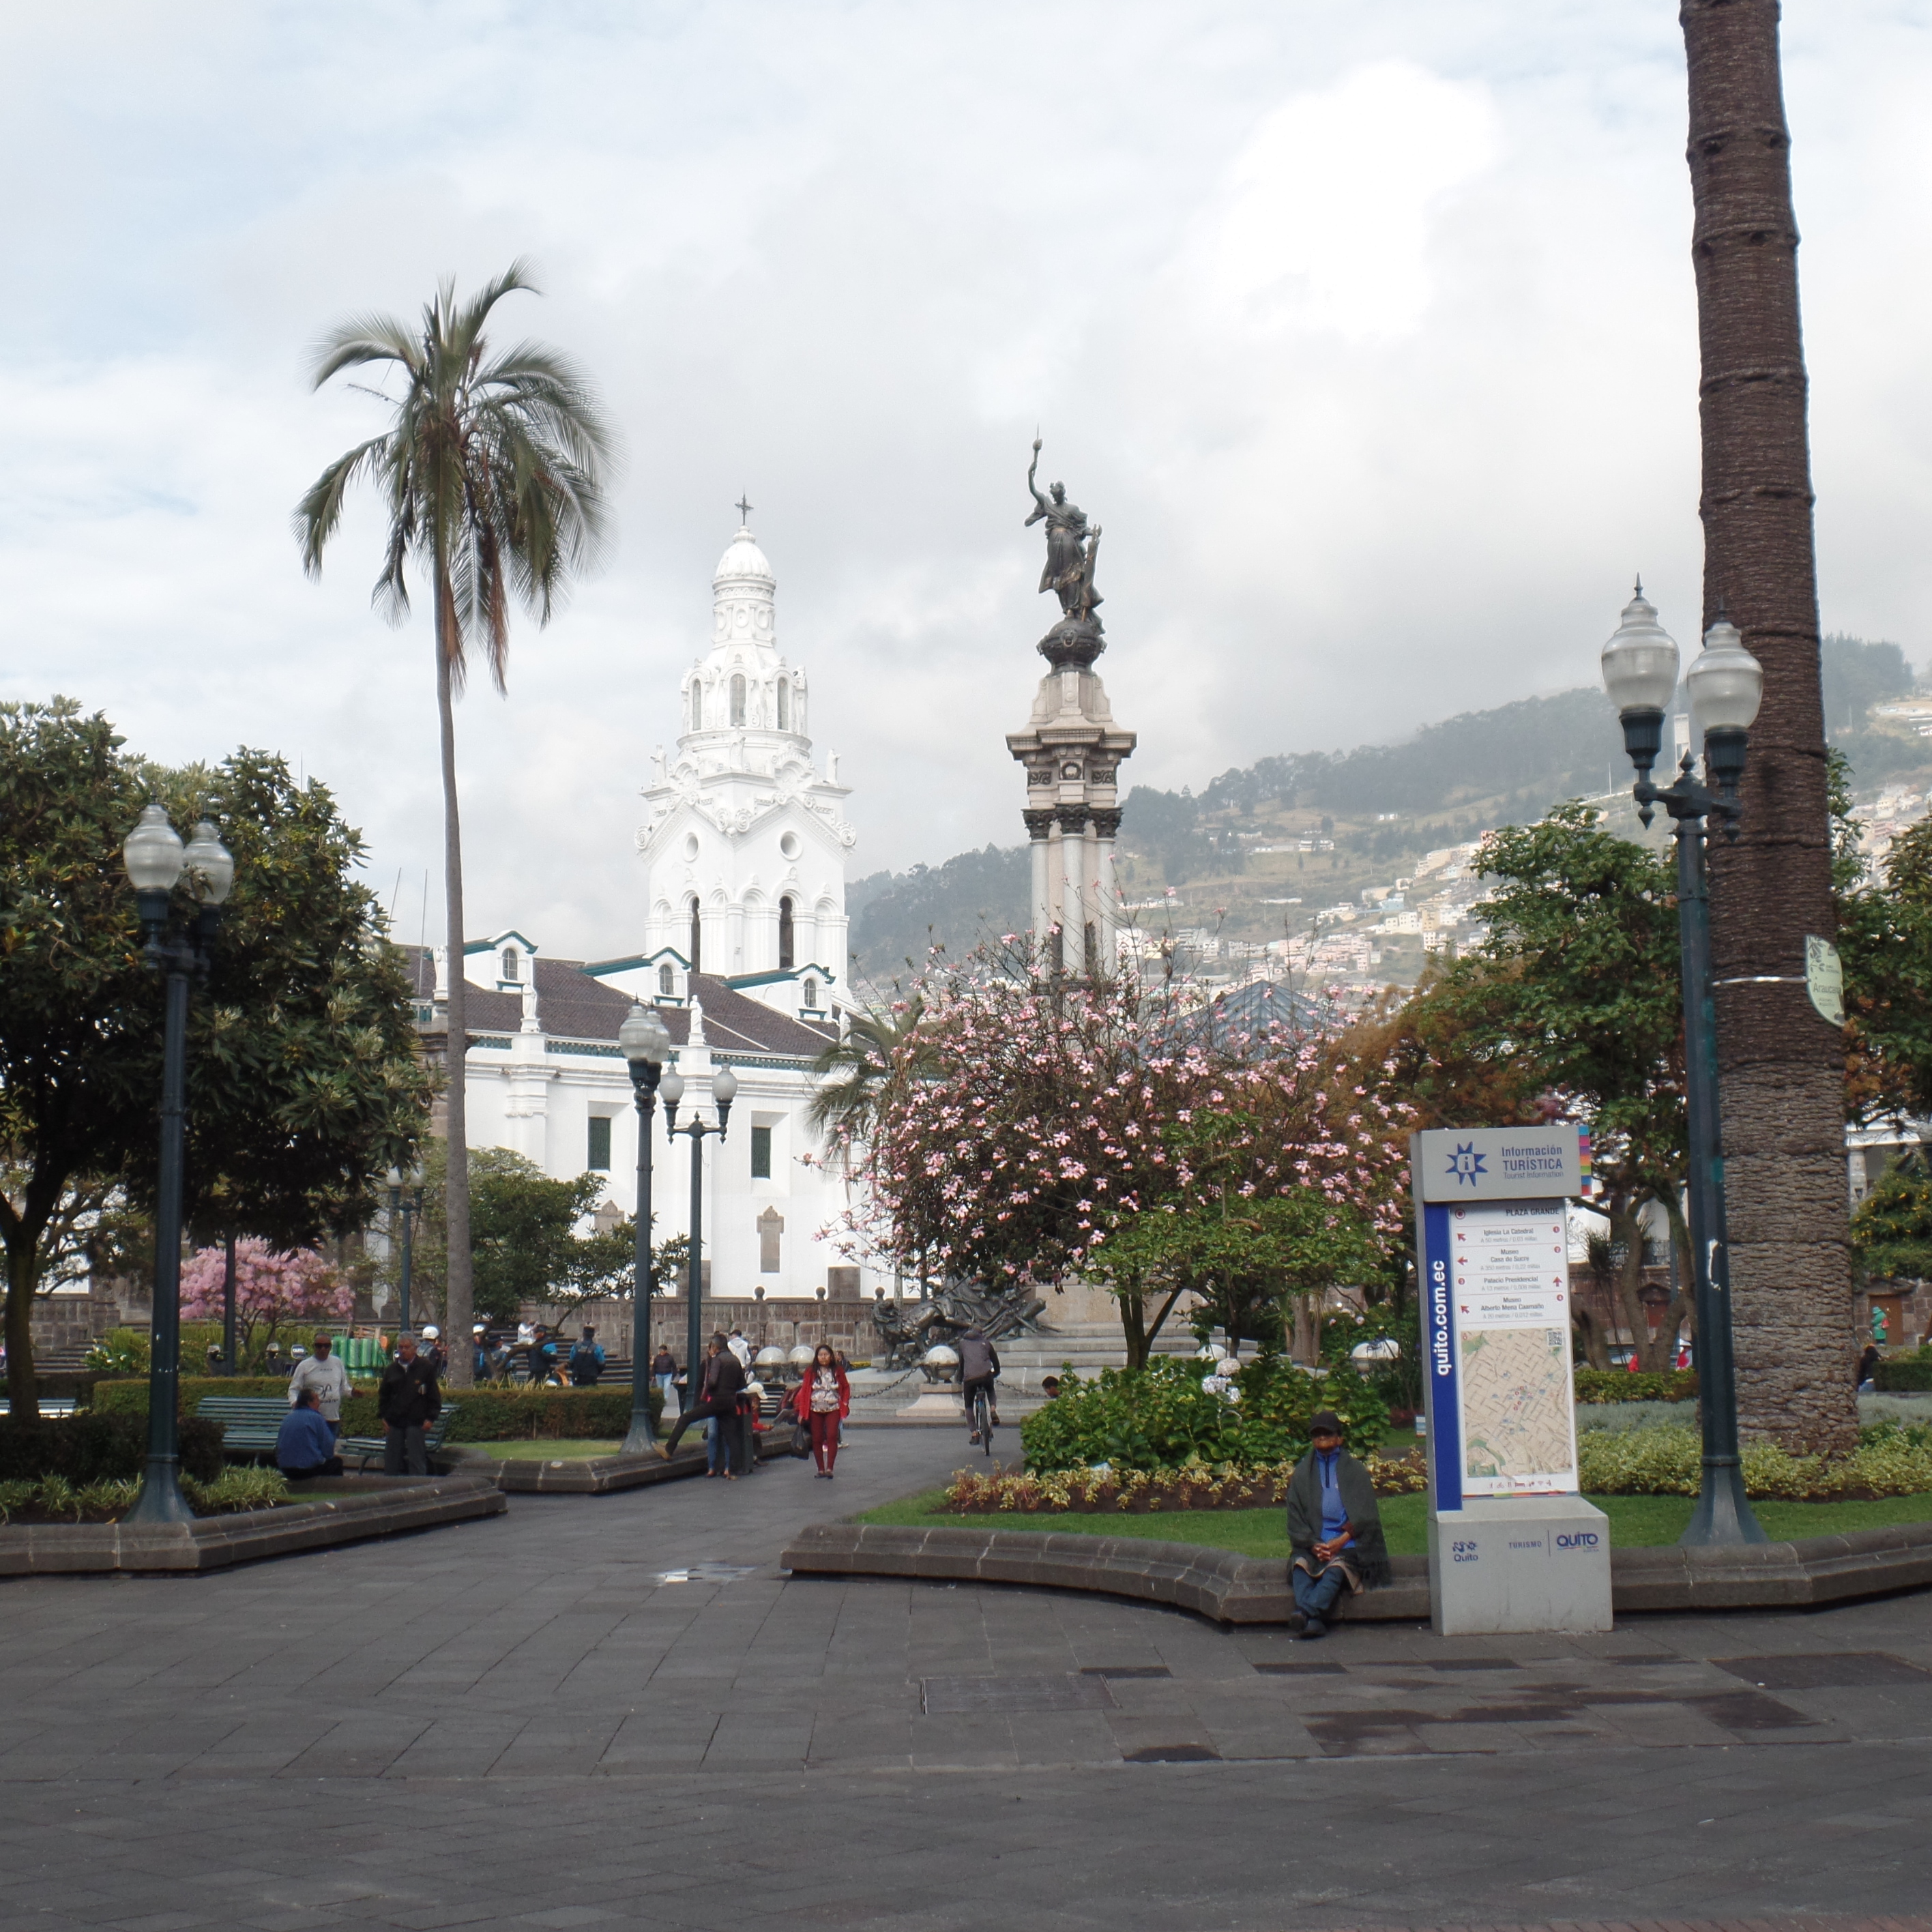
(1334, 1528)
(305, 1443)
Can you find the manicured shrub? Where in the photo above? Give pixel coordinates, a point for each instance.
(1620, 1385)
(1902, 1373)
(91, 1447)
(1888, 1461)
(484, 1415)
(1150, 1492)
(1160, 1417)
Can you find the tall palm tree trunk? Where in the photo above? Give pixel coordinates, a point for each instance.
(459, 1299)
(1782, 1065)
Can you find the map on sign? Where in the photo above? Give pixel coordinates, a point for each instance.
(1509, 1277)
(1517, 1417)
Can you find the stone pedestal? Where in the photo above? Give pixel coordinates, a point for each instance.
(1519, 1564)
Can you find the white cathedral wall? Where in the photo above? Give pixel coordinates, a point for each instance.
(557, 1137)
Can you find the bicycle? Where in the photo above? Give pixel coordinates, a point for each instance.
(982, 1416)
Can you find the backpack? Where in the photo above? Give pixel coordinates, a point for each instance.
(586, 1364)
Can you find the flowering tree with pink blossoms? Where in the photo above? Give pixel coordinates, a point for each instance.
(1030, 1129)
(274, 1291)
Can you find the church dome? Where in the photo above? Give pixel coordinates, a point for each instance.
(743, 560)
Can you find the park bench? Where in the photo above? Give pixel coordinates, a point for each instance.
(250, 1425)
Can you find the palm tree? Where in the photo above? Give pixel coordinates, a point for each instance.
(490, 471)
(876, 1049)
(1783, 1066)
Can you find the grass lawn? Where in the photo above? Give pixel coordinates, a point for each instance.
(1636, 1522)
(562, 1450)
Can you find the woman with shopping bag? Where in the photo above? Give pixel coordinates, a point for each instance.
(823, 1399)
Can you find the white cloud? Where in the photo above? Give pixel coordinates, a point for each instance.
(1368, 333)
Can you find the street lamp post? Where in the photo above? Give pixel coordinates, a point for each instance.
(724, 1091)
(406, 1196)
(155, 861)
(1725, 684)
(647, 1046)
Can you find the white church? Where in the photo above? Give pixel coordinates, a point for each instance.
(742, 952)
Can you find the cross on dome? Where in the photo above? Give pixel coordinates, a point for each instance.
(744, 510)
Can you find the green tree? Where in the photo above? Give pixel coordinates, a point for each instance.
(1885, 935)
(1892, 1230)
(526, 1239)
(1574, 1004)
(304, 1078)
(490, 473)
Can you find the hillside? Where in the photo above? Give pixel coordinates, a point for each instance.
(1261, 848)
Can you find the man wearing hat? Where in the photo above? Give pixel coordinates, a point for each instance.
(1334, 1527)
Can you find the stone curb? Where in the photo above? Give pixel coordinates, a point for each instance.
(592, 1475)
(217, 1542)
(1235, 1589)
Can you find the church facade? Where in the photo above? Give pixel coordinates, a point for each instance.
(740, 945)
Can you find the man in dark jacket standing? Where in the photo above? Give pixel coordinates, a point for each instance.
(1334, 1527)
(408, 1401)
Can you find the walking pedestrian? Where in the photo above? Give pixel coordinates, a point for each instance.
(821, 1402)
(1334, 1527)
(664, 1372)
(587, 1361)
(408, 1401)
(722, 1380)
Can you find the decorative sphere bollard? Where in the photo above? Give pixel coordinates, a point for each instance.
(940, 1364)
(768, 1363)
(800, 1357)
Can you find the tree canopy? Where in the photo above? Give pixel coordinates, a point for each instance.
(304, 1077)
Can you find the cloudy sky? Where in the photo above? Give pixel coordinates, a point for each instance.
(1366, 332)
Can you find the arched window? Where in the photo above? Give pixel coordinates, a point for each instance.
(697, 704)
(785, 929)
(696, 932)
(737, 698)
(784, 704)
(509, 962)
(811, 995)
(666, 983)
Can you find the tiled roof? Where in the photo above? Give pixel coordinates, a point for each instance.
(571, 1005)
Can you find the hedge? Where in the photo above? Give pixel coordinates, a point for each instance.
(1620, 1385)
(485, 1415)
(1904, 1373)
(91, 1447)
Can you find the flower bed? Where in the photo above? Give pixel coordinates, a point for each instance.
(1147, 1491)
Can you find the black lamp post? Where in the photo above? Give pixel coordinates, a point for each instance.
(155, 860)
(723, 1091)
(406, 1195)
(647, 1046)
(1725, 684)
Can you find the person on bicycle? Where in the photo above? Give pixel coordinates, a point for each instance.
(979, 1370)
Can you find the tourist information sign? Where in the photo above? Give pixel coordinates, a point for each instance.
(1513, 1547)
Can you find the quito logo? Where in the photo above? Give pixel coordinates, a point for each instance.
(1465, 1163)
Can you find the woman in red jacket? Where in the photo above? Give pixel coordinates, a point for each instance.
(823, 1398)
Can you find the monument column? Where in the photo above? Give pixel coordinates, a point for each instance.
(1072, 750)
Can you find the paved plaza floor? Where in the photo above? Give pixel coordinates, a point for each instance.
(616, 1711)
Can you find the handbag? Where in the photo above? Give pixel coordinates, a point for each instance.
(801, 1438)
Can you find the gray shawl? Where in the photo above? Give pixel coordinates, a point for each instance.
(1370, 1557)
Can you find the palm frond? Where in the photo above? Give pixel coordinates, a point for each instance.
(320, 510)
(364, 339)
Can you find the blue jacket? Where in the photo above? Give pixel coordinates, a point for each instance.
(305, 1440)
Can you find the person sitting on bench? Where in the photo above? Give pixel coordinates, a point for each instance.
(306, 1445)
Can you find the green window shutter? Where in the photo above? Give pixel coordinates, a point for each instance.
(761, 1153)
(600, 1145)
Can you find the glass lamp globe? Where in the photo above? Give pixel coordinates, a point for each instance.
(670, 1088)
(642, 1037)
(152, 852)
(212, 864)
(1727, 682)
(725, 1088)
(1640, 660)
